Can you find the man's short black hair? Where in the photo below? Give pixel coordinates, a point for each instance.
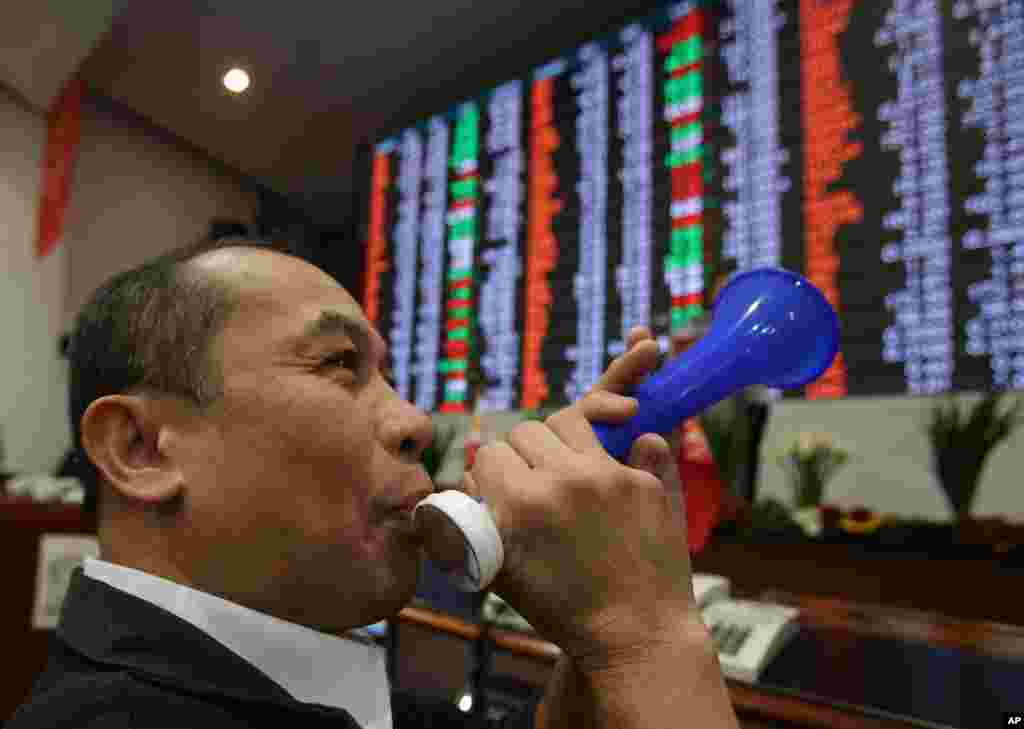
(150, 329)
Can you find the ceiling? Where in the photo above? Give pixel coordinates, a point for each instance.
(42, 42)
(326, 75)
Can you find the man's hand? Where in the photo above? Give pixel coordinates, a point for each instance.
(595, 559)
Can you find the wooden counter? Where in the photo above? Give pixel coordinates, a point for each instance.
(853, 665)
(971, 589)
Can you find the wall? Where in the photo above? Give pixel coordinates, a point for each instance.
(890, 464)
(137, 192)
(32, 396)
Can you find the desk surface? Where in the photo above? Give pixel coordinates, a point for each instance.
(930, 670)
(896, 666)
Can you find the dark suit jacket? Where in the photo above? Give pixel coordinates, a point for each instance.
(119, 662)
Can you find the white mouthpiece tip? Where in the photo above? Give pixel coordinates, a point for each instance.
(485, 553)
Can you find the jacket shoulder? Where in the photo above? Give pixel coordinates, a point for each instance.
(116, 700)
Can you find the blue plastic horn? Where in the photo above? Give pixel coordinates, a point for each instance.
(770, 327)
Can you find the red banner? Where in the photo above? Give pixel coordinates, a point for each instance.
(702, 485)
(63, 133)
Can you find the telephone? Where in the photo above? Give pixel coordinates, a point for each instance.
(747, 634)
(708, 588)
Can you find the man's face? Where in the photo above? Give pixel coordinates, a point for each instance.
(294, 479)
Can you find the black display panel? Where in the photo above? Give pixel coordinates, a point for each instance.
(875, 147)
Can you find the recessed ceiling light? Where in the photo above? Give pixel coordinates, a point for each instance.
(236, 80)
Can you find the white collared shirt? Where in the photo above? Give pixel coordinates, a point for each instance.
(314, 667)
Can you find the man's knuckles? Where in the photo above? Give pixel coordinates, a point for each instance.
(599, 405)
(527, 438)
(560, 482)
(568, 413)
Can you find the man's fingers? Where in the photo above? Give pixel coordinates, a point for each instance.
(629, 368)
(637, 335)
(495, 463)
(606, 402)
(538, 446)
(601, 406)
(597, 406)
(650, 452)
(469, 486)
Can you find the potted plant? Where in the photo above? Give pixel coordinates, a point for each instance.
(434, 455)
(962, 437)
(809, 463)
(727, 430)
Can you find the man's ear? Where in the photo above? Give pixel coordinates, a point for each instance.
(125, 436)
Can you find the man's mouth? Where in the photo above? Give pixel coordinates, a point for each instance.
(408, 504)
(409, 489)
(402, 525)
(417, 486)
(401, 515)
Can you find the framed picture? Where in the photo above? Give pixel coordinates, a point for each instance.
(59, 554)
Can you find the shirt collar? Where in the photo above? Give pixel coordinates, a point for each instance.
(347, 673)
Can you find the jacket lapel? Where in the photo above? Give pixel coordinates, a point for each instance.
(114, 628)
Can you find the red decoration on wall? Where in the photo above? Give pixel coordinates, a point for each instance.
(63, 132)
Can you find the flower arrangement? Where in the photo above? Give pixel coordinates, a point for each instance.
(962, 437)
(809, 464)
(986, 537)
(826, 519)
(861, 520)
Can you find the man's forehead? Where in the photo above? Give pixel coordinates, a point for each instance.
(293, 316)
(302, 301)
(256, 269)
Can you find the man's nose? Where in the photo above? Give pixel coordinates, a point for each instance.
(408, 432)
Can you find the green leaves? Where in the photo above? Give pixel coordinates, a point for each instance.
(962, 437)
(728, 430)
(434, 455)
(809, 463)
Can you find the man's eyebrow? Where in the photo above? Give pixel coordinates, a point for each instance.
(332, 323)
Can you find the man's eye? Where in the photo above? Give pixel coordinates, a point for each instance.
(349, 359)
